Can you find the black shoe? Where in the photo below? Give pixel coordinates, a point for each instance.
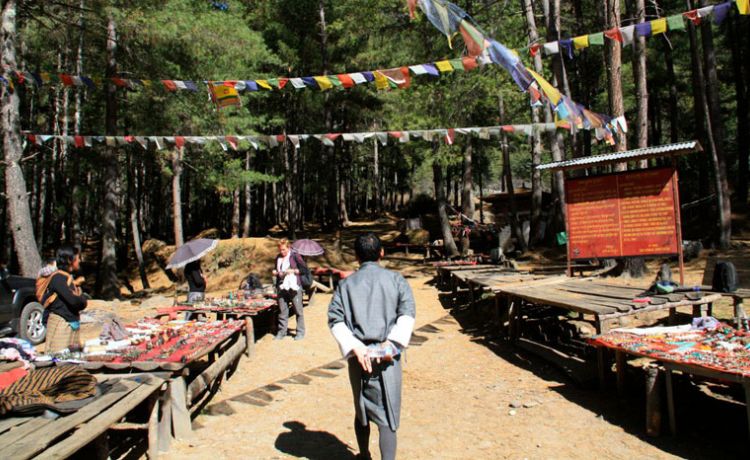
(363, 457)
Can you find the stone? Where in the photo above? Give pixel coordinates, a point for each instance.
(512, 412)
(529, 405)
(515, 404)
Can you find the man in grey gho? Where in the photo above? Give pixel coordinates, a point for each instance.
(371, 317)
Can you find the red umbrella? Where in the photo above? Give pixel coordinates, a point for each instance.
(307, 248)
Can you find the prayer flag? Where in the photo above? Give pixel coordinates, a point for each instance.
(418, 69)
(721, 11)
(444, 66)
(432, 70)
(169, 85)
(705, 11)
(298, 83)
(264, 84)
(581, 42)
(627, 34)
(551, 48)
(368, 76)
(232, 141)
(534, 49)
(643, 29)
(381, 81)
(179, 142)
(458, 64)
(224, 96)
(550, 91)
(358, 78)
(399, 76)
(613, 34)
(79, 141)
(346, 80)
(250, 85)
(324, 82)
(693, 16)
(469, 63)
(566, 47)
(450, 136)
(743, 6)
(658, 26)
(474, 39)
(66, 79)
(676, 22)
(596, 39)
(412, 7)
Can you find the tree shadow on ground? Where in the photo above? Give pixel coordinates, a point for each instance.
(707, 427)
(304, 443)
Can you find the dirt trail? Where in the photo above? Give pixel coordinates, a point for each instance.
(457, 395)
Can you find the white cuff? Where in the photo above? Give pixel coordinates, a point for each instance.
(346, 340)
(401, 332)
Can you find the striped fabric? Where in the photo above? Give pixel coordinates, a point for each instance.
(43, 388)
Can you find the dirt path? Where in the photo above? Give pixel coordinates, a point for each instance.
(293, 400)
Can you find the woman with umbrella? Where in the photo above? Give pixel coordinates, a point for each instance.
(188, 256)
(292, 278)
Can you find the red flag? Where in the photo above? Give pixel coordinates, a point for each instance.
(507, 128)
(169, 85)
(614, 34)
(281, 137)
(66, 79)
(693, 16)
(129, 139)
(283, 82)
(231, 140)
(450, 136)
(395, 134)
(534, 49)
(333, 136)
(346, 80)
(412, 8)
(20, 77)
(119, 82)
(469, 63)
(32, 139)
(179, 141)
(80, 142)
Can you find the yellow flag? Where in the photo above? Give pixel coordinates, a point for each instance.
(581, 42)
(324, 83)
(743, 6)
(264, 84)
(658, 26)
(550, 91)
(444, 66)
(381, 81)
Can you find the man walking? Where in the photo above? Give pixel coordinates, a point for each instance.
(371, 317)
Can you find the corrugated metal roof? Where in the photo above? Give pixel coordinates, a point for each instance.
(681, 148)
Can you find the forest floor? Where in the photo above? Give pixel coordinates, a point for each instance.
(293, 399)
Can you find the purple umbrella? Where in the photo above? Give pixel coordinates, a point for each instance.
(307, 248)
(191, 251)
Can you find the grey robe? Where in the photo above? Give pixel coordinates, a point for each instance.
(369, 302)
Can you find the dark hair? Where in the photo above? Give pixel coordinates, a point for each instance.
(65, 255)
(368, 247)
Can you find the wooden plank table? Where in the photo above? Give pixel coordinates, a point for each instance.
(45, 438)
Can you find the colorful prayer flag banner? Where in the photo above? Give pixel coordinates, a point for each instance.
(581, 42)
(658, 26)
(224, 96)
(676, 22)
(743, 6)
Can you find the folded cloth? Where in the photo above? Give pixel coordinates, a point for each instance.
(44, 388)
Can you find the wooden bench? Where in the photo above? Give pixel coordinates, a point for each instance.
(46, 438)
(738, 297)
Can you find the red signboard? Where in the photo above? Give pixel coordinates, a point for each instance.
(627, 214)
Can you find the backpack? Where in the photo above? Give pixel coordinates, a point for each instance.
(725, 277)
(304, 273)
(251, 283)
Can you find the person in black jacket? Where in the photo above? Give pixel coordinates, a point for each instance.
(64, 301)
(196, 281)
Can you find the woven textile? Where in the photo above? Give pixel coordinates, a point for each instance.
(43, 388)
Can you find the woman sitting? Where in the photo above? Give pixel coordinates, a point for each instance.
(64, 300)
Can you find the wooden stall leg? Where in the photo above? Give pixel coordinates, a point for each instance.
(100, 447)
(180, 414)
(747, 403)
(165, 420)
(601, 361)
(249, 338)
(153, 431)
(670, 403)
(620, 366)
(653, 402)
(672, 316)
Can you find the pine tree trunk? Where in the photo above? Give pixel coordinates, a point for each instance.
(445, 226)
(246, 224)
(376, 197)
(107, 280)
(556, 140)
(716, 130)
(613, 51)
(236, 195)
(15, 185)
(177, 196)
(75, 209)
(467, 195)
(508, 178)
(637, 10)
(536, 143)
(740, 53)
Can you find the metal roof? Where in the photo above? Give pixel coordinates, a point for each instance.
(682, 148)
